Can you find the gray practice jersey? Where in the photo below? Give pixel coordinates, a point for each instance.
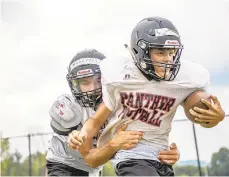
(147, 106)
(67, 113)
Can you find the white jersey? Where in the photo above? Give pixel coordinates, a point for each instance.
(147, 106)
(58, 150)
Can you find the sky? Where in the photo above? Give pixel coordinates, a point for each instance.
(40, 37)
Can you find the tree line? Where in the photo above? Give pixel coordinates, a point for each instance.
(14, 164)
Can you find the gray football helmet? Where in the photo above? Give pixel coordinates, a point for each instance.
(155, 32)
(85, 64)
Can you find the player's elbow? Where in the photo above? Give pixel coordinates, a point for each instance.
(93, 165)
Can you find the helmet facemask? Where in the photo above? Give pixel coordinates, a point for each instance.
(87, 90)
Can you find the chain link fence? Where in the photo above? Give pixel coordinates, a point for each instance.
(196, 146)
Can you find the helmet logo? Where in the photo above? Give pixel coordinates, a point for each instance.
(84, 72)
(171, 42)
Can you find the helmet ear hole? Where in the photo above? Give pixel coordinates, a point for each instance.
(135, 51)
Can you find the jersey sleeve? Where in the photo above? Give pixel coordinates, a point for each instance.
(206, 81)
(193, 76)
(201, 76)
(112, 78)
(108, 89)
(108, 96)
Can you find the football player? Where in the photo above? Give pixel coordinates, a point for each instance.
(144, 93)
(69, 114)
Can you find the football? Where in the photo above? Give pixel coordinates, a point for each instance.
(194, 100)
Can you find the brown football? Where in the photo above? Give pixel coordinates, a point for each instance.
(194, 100)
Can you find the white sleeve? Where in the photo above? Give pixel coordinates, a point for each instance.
(205, 79)
(107, 77)
(193, 75)
(108, 95)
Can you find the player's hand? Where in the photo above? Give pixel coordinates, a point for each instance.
(213, 115)
(125, 139)
(171, 156)
(75, 139)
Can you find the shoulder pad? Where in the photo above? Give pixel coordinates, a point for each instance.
(66, 112)
(57, 128)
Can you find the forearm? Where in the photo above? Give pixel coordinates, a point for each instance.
(95, 122)
(99, 156)
(91, 127)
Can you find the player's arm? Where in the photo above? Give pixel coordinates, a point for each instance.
(93, 124)
(100, 155)
(97, 156)
(211, 117)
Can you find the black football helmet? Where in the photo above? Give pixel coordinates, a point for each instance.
(160, 33)
(85, 64)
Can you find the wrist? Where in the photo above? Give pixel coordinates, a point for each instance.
(113, 145)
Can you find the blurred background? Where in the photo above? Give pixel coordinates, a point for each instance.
(40, 37)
